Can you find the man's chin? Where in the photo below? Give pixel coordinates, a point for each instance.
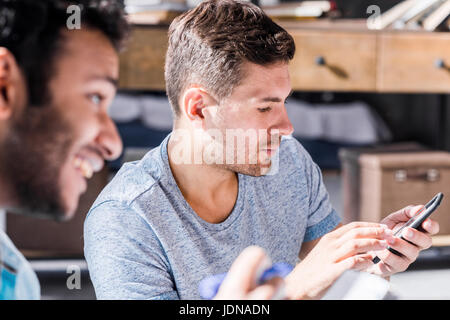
(65, 210)
(254, 170)
(265, 169)
(45, 205)
(69, 213)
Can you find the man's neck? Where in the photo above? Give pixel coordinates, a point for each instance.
(211, 191)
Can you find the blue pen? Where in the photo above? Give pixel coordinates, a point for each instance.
(209, 286)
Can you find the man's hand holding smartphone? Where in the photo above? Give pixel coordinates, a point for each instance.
(409, 247)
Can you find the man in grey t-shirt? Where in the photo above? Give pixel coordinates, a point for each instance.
(228, 177)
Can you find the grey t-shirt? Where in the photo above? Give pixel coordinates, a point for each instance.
(144, 241)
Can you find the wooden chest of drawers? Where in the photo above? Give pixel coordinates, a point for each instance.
(323, 61)
(330, 56)
(411, 62)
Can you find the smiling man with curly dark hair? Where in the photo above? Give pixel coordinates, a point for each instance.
(56, 84)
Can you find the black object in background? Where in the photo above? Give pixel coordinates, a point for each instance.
(358, 8)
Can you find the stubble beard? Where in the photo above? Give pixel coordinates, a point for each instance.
(32, 156)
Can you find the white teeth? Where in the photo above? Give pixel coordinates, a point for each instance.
(87, 170)
(85, 167)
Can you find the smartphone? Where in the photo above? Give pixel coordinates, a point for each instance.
(416, 221)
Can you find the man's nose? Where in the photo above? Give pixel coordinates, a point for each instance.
(109, 139)
(285, 126)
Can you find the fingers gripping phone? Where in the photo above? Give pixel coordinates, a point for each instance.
(416, 221)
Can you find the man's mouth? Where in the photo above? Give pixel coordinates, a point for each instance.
(84, 167)
(272, 150)
(87, 166)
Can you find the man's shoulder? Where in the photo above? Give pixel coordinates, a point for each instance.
(292, 162)
(292, 153)
(133, 180)
(289, 144)
(18, 279)
(9, 253)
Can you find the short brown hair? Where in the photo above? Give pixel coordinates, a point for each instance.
(208, 45)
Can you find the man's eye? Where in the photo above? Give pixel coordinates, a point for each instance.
(96, 98)
(264, 109)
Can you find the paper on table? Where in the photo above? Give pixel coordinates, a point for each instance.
(355, 285)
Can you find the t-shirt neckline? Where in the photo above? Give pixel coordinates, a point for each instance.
(235, 212)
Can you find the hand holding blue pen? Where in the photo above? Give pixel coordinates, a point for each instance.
(209, 286)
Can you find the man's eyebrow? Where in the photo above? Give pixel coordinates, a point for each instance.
(275, 99)
(111, 80)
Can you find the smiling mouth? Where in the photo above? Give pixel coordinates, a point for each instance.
(88, 161)
(84, 166)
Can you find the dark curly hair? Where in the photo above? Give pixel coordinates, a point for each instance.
(32, 31)
(208, 45)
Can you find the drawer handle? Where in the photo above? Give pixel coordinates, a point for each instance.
(320, 61)
(336, 70)
(430, 175)
(440, 64)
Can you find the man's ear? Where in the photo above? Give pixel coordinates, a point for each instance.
(10, 77)
(194, 102)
